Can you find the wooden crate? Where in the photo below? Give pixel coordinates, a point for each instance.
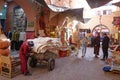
(10, 67)
(115, 71)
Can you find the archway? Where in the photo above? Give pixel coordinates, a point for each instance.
(100, 29)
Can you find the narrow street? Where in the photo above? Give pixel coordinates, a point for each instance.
(71, 68)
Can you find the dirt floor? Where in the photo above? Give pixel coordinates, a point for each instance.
(71, 68)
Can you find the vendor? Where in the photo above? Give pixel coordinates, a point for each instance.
(25, 49)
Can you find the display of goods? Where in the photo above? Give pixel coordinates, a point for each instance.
(108, 61)
(4, 44)
(118, 48)
(112, 47)
(116, 56)
(0, 65)
(4, 52)
(115, 66)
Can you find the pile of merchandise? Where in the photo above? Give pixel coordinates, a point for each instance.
(115, 64)
(4, 48)
(42, 44)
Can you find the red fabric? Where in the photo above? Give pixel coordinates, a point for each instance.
(23, 53)
(41, 22)
(70, 40)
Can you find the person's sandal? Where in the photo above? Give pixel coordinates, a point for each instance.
(27, 74)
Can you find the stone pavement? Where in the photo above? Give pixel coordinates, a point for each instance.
(71, 68)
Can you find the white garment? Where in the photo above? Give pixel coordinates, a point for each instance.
(22, 36)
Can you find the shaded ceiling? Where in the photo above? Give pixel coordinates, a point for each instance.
(77, 13)
(92, 3)
(117, 4)
(97, 3)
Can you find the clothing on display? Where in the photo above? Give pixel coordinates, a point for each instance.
(17, 39)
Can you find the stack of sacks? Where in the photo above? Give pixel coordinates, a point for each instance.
(41, 43)
(4, 48)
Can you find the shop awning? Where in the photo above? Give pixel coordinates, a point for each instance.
(97, 3)
(52, 6)
(117, 4)
(77, 13)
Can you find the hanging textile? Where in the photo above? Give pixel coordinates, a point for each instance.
(3, 17)
(3, 11)
(2, 21)
(41, 22)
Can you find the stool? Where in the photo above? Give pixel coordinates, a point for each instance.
(9, 67)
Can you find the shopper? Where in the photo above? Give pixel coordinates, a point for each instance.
(24, 54)
(84, 45)
(96, 44)
(70, 40)
(105, 46)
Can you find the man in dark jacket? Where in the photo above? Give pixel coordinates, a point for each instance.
(105, 46)
(96, 44)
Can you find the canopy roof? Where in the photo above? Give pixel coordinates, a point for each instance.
(77, 13)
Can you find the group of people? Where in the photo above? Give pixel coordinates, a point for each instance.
(105, 45)
(96, 44)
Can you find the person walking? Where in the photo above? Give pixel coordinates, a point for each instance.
(105, 46)
(84, 45)
(24, 54)
(96, 45)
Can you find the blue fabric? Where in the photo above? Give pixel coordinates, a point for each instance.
(106, 68)
(2, 21)
(3, 11)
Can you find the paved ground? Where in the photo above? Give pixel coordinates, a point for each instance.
(71, 68)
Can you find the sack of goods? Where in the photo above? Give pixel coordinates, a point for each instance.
(4, 44)
(4, 47)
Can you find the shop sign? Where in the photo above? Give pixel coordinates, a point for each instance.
(30, 24)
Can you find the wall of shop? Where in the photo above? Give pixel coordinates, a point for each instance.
(9, 20)
(29, 11)
(106, 20)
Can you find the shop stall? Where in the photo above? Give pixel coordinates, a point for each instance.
(8, 64)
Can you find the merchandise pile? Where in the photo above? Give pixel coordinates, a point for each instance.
(115, 64)
(4, 47)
